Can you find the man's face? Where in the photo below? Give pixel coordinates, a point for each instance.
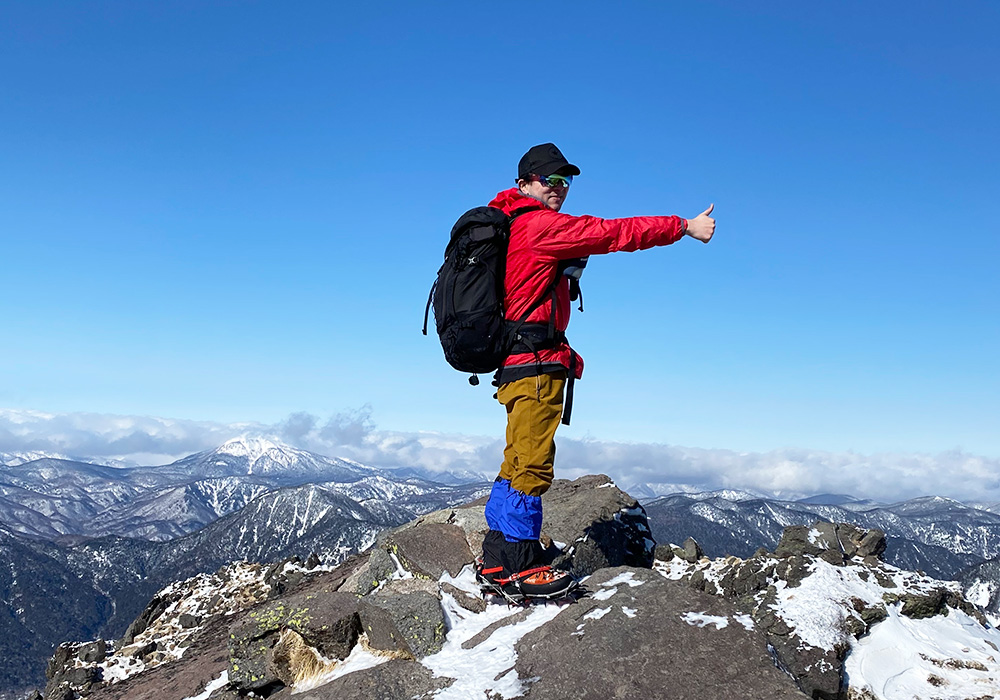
(552, 197)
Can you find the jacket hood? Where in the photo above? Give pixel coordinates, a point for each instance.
(511, 200)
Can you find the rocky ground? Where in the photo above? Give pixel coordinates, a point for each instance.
(404, 620)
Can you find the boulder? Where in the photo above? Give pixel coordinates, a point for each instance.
(428, 549)
(872, 543)
(796, 541)
(691, 551)
(601, 525)
(410, 624)
(93, 652)
(328, 622)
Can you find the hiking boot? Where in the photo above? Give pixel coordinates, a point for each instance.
(539, 582)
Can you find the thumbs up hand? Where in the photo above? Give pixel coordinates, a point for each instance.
(702, 227)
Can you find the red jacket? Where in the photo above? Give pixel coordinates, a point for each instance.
(539, 239)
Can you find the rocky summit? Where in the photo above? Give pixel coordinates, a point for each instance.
(820, 617)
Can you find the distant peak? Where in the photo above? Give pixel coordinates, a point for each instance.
(253, 446)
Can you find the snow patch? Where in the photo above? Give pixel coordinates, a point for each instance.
(488, 666)
(597, 613)
(703, 620)
(981, 592)
(818, 607)
(950, 656)
(604, 593)
(219, 682)
(626, 577)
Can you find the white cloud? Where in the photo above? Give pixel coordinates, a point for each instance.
(353, 434)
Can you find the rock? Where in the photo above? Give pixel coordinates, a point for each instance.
(826, 535)
(832, 556)
(602, 525)
(187, 620)
(850, 538)
(816, 671)
(138, 650)
(793, 569)
(70, 681)
(472, 520)
(312, 561)
(691, 551)
(663, 552)
(60, 659)
(795, 541)
(746, 578)
(411, 624)
(429, 549)
(380, 567)
(204, 660)
(474, 604)
(873, 544)
(280, 580)
(409, 585)
(93, 652)
(61, 692)
(873, 614)
(919, 606)
(327, 622)
(488, 631)
(643, 639)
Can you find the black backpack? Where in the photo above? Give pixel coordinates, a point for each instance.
(468, 294)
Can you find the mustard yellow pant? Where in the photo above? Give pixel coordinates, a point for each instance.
(534, 408)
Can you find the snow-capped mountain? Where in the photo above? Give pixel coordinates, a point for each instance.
(50, 498)
(267, 458)
(14, 459)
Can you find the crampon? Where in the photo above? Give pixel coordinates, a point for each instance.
(540, 583)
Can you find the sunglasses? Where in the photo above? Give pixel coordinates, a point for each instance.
(556, 180)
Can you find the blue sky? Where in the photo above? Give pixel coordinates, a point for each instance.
(233, 211)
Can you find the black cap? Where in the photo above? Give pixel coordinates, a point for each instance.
(544, 160)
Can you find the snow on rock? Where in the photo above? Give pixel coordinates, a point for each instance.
(218, 683)
(891, 633)
(701, 620)
(487, 665)
(981, 592)
(175, 614)
(950, 657)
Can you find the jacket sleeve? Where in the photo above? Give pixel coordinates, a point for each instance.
(562, 236)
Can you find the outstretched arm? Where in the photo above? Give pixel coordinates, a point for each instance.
(702, 227)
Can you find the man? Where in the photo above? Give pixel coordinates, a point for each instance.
(532, 384)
